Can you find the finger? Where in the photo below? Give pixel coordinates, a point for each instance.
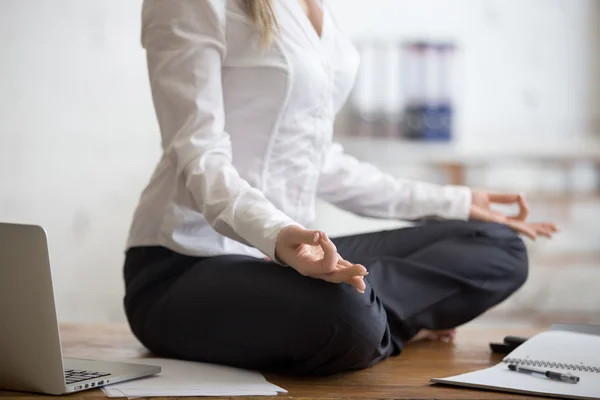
(331, 256)
(523, 228)
(345, 274)
(544, 229)
(358, 283)
(544, 233)
(523, 209)
(344, 263)
(545, 226)
(308, 237)
(510, 198)
(504, 198)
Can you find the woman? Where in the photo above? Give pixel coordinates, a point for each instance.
(222, 265)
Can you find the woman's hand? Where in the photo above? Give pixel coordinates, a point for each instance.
(313, 254)
(480, 210)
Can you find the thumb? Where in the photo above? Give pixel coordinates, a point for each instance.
(308, 237)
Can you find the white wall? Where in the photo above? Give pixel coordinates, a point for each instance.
(78, 137)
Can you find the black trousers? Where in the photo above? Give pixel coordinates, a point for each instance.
(250, 313)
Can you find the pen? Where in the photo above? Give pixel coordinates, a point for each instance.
(555, 376)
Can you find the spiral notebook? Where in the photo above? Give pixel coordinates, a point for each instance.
(576, 353)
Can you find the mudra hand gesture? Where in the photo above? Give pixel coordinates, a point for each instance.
(481, 210)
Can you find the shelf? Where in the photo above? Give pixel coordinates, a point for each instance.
(549, 259)
(398, 152)
(561, 198)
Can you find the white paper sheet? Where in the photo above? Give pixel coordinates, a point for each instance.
(184, 378)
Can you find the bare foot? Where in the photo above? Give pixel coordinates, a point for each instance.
(444, 335)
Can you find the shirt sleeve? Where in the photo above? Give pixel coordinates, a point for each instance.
(363, 189)
(185, 46)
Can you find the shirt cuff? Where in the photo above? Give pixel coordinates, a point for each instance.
(267, 243)
(456, 202)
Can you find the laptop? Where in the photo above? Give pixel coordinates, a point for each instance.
(31, 357)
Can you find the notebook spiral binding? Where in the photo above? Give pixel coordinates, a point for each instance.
(550, 364)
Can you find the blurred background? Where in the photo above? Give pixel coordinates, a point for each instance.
(498, 94)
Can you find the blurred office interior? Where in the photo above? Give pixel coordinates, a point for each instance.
(498, 94)
(491, 94)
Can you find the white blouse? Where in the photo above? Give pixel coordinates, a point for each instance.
(247, 132)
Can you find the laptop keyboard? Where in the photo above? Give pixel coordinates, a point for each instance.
(75, 375)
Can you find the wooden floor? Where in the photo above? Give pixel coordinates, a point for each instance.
(403, 377)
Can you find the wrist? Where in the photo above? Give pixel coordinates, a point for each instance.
(280, 242)
(461, 203)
